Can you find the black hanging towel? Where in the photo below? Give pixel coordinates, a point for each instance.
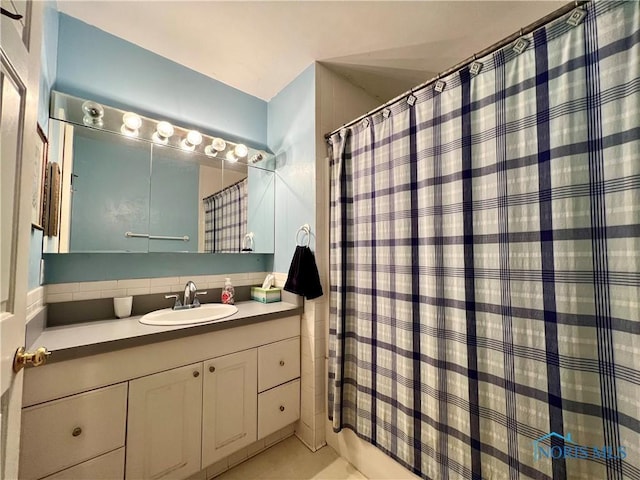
(303, 278)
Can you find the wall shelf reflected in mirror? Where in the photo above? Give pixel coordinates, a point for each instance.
(135, 184)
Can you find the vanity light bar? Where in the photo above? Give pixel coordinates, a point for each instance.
(95, 115)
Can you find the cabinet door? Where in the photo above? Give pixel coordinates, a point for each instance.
(163, 428)
(229, 416)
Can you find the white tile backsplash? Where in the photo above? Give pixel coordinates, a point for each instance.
(139, 291)
(59, 297)
(117, 292)
(86, 295)
(35, 301)
(164, 281)
(62, 288)
(160, 289)
(35, 296)
(104, 285)
(67, 292)
(135, 283)
(197, 279)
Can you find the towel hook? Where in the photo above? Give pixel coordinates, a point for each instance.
(305, 229)
(247, 242)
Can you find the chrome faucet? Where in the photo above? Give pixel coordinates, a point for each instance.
(190, 292)
(190, 297)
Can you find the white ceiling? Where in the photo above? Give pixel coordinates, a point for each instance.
(385, 47)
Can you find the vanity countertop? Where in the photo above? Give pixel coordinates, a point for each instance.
(82, 339)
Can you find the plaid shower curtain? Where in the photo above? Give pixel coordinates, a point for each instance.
(226, 219)
(485, 258)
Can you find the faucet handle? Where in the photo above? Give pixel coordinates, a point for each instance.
(177, 302)
(196, 302)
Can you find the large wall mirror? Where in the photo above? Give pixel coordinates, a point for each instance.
(128, 193)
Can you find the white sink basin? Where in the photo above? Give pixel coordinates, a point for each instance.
(202, 314)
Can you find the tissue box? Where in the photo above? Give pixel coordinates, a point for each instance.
(265, 295)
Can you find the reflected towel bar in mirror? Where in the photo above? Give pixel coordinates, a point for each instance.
(184, 238)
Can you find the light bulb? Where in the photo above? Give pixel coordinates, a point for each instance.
(93, 113)
(240, 151)
(230, 157)
(131, 123)
(164, 130)
(217, 146)
(194, 138)
(132, 120)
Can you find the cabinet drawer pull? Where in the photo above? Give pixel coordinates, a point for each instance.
(282, 408)
(212, 369)
(196, 374)
(76, 432)
(282, 363)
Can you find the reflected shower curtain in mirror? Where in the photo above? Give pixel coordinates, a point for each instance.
(485, 250)
(226, 219)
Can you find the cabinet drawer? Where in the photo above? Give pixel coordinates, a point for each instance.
(62, 433)
(278, 408)
(278, 363)
(109, 466)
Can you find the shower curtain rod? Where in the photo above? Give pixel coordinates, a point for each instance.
(496, 46)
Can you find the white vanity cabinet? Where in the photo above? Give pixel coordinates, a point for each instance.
(60, 434)
(166, 410)
(163, 425)
(229, 405)
(278, 385)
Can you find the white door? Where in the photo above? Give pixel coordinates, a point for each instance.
(20, 47)
(229, 405)
(163, 426)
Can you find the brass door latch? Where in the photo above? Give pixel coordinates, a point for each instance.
(24, 358)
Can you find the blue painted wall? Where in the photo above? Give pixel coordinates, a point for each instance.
(291, 136)
(94, 64)
(87, 267)
(49, 60)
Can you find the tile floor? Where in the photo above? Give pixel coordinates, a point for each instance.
(291, 460)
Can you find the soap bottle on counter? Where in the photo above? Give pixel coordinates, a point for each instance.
(228, 292)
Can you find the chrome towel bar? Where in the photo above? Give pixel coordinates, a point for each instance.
(185, 238)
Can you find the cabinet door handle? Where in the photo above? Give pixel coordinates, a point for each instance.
(282, 408)
(212, 369)
(282, 363)
(196, 373)
(76, 432)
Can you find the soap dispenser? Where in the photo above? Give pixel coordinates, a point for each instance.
(228, 292)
